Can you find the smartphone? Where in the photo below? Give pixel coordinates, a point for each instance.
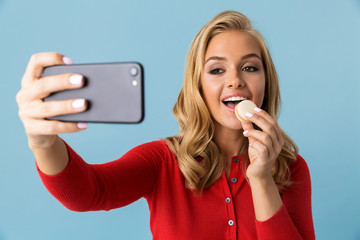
(114, 92)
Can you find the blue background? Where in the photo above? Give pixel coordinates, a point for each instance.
(315, 46)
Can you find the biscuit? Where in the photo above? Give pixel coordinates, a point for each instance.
(242, 108)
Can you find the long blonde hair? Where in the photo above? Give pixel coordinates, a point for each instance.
(197, 154)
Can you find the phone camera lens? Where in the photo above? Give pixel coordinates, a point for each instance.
(134, 71)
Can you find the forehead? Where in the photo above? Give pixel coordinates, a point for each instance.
(232, 44)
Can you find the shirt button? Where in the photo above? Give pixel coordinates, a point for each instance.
(236, 160)
(227, 200)
(231, 222)
(234, 179)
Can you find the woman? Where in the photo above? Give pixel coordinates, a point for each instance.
(218, 179)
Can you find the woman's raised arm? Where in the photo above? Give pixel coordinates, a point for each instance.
(49, 150)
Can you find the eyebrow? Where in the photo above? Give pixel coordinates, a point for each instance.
(250, 55)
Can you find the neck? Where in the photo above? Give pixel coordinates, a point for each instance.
(230, 142)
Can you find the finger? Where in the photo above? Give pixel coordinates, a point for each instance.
(47, 85)
(56, 108)
(39, 61)
(271, 120)
(52, 127)
(261, 149)
(264, 124)
(260, 137)
(246, 127)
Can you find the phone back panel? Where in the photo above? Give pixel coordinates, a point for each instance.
(113, 93)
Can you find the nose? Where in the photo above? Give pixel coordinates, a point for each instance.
(235, 82)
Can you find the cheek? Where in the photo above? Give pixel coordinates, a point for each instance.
(258, 91)
(209, 91)
(204, 92)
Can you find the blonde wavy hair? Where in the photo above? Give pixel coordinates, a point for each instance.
(197, 154)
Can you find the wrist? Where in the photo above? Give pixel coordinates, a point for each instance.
(42, 143)
(261, 181)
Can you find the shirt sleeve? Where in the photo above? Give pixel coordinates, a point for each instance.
(90, 187)
(293, 221)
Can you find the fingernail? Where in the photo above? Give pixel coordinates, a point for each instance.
(76, 79)
(82, 125)
(79, 103)
(245, 132)
(249, 115)
(67, 60)
(257, 109)
(250, 144)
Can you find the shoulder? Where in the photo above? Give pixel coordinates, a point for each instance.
(155, 149)
(157, 144)
(299, 170)
(299, 164)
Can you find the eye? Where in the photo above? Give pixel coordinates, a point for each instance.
(250, 69)
(216, 71)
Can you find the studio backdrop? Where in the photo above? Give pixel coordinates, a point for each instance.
(315, 46)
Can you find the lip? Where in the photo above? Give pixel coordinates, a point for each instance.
(233, 95)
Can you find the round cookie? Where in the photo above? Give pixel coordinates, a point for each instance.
(242, 108)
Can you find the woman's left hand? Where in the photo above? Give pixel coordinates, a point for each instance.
(264, 146)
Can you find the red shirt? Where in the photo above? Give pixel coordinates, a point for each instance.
(224, 210)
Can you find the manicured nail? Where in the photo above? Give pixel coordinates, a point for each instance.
(249, 115)
(257, 109)
(79, 103)
(67, 60)
(82, 125)
(76, 79)
(250, 144)
(245, 132)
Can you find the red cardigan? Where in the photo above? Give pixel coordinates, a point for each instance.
(224, 211)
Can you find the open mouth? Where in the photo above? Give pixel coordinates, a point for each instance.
(231, 102)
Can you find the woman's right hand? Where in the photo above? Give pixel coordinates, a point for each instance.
(33, 109)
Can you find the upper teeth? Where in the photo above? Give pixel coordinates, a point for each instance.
(231, 99)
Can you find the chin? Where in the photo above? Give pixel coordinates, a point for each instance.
(234, 125)
(237, 128)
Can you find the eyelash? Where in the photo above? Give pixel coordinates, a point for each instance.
(216, 69)
(245, 69)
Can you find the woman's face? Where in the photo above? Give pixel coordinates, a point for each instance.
(233, 70)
